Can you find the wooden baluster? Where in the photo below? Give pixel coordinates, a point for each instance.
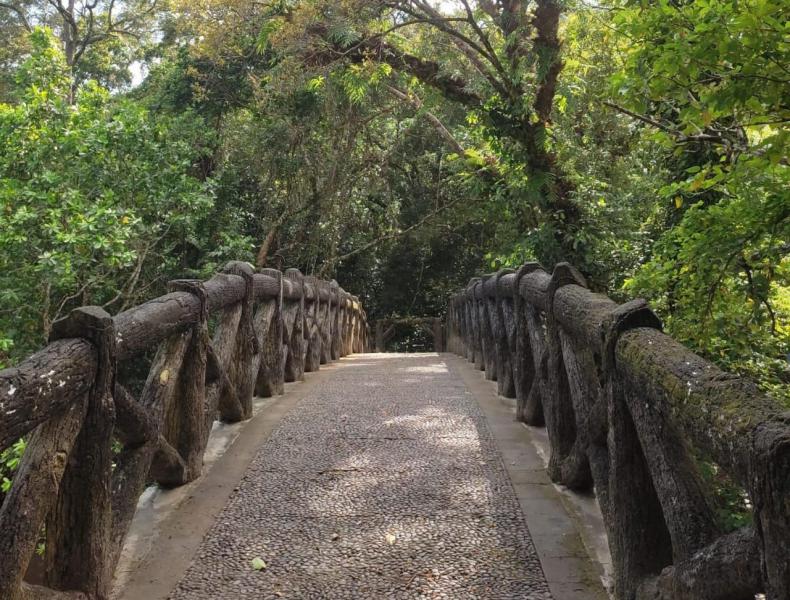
(474, 319)
(638, 538)
(188, 423)
(771, 496)
(337, 320)
(568, 462)
(326, 322)
(357, 335)
(500, 317)
(348, 329)
(33, 493)
(242, 368)
(438, 335)
(530, 375)
(488, 346)
(344, 322)
(683, 495)
(80, 523)
(295, 318)
(312, 326)
(146, 454)
(466, 315)
(269, 328)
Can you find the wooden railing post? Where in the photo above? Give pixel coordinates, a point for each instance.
(187, 424)
(438, 335)
(771, 496)
(474, 317)
(568, 462)
(295, 323)
(312, 325)
(487, 343)
(325, 321)
(529, 374)
(501, 319)
(241, 368)
(336, 318)
(80, 524)
(33, 493)
(270, 379)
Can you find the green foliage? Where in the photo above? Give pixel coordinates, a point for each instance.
(710, 78)
(9, 462)
(731, 504)
(95, 198)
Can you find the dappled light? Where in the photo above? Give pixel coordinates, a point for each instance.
(398, 492)
(211, 209)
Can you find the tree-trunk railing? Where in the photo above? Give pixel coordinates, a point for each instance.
(629, 412)
(79, 491)
(384, 329)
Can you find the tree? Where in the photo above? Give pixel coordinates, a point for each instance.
(99, 38)
(96, 198)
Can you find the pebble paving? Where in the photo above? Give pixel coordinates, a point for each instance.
(384, 482)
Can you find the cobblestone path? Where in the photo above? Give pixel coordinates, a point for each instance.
(384, 482)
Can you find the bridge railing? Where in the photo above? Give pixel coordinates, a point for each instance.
(93, 446)
(385, 328)
(629, 413)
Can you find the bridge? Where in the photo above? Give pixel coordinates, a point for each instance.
(386, 475)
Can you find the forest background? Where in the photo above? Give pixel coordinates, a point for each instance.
(402, 148)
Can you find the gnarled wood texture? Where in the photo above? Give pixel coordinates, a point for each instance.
(67, 399)
(629, 411)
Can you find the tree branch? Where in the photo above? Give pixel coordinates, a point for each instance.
(19, 12)
(437, 124)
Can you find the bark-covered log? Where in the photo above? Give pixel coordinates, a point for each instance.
(727, 569)
(33, 492)
(134, 426)
(157, 399)
(638, 538)
(474, 321)
(582, 314)
(337, 322)
(580, 370)
(770, 493)
(717, 411)
(487, 343)
(223, 346)
(325, 322)
(313, 313)
(530, 347)
(568, 462)
(48, 382)
(533, 288)
(188, 425)
(136, 463)
(80, 524)
(53, 378)
(295, 320)
(242, 369)
(147, 325)
(497, 313)
(684, 497)
(269, 328)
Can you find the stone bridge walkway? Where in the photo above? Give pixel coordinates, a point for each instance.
(391, 479)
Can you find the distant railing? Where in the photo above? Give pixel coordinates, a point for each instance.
(629, 412)
(92, 446)
(384, 329)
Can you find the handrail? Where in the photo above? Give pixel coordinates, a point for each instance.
(271, 327)
(384, 329)
(628, 409)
